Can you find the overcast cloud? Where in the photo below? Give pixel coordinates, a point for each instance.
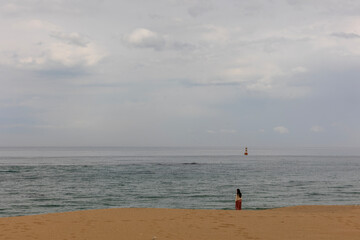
(179, 73)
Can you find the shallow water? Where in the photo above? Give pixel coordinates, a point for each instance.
(44, 180)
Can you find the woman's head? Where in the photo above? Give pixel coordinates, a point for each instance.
(238, 192)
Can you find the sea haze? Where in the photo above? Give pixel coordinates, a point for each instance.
(45, 180)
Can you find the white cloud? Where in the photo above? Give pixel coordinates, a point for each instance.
(228, 131)
(299, 69)
(316, 129)
(144, 38)
(47, 47)
(213, 33)
(31, 61)
(10, 8)
(253, 71)
(242, 74)
(66, 55)
(24, 58)
(267, 79)
(35, 25)
(281, 129)
(71, 55)
(222, 131)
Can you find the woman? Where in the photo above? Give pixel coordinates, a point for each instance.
(238, 200)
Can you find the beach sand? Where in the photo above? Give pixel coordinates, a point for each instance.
(301, 222)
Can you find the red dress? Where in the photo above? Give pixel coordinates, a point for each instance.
(238, 201)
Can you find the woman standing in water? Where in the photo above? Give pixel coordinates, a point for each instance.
(238, 200)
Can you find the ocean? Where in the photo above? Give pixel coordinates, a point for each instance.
(37, 180)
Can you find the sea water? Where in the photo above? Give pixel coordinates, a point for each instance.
(46, 180)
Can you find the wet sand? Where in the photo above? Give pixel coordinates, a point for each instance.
(301, 222)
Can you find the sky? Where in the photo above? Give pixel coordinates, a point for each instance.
(179, 73)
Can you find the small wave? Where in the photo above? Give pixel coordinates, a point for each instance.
(50, 205)
(312, 194)
(175, 164)
(10, 171)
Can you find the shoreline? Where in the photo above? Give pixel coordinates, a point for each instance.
(295, 222)
(197, 209)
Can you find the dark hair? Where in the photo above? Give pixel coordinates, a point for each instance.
(238, 192)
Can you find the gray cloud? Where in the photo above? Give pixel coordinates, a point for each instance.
(200, 8)
(181, 46)
(61, 7)
(71, 38)
(346, 35)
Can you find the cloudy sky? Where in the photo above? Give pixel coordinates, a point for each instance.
(179, 73)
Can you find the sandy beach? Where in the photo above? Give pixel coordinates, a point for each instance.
(301, 222)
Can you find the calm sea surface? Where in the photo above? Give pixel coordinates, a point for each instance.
(45, 180)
